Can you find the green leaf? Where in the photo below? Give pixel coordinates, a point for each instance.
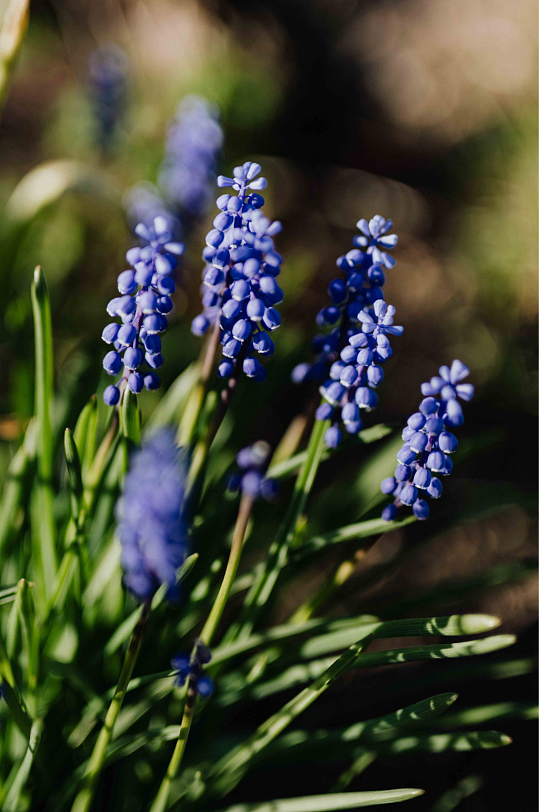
(169, 407)
(85, 433)
(74, 473)
(14, 25)
(444, 742)
(486, 713)
(45, 534)
(16, 486)
(130, 417)
(124, 630)
(358, 530)
(326, 803)
(341, 633)
(301, 673)
(292, 465)
(11, 803)
(7, 593)
(229, 770)
(369, 730)
(11, 694)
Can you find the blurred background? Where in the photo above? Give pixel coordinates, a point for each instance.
(423, 111)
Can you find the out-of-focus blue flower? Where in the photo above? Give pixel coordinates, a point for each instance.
(354, 378)
(107, 80)
(142, 308)
(187, 174)
(194, 141)
(428, 442)
(190, 667)
(150, 528)
(240, 290)
(250, 479)
(350, 296)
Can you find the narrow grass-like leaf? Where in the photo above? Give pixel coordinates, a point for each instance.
(45, 535)
(124, 630)
(480, 714)
(301, 673)
(11, 694)
(169, 407)
(74, 474)
(443, 742)
(229, 770)
(358, 530)
(292, 465)
(85, 433)
(341, 633)
(453, 796)
(326, 803)
(16, 486)
(11, 802)
(7, 593)
(12, 31)
(367, 731)
(130, 417)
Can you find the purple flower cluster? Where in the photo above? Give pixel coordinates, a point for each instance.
(145, 300)
(428, 442)
(239, 280)
(187, 173)
(150, 528)
(194, 141)
(364, 277)
(354, 378)
(107, 77)
(250, 479)
(190, 667)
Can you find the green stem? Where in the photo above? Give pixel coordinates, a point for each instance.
(195, 403)
(84, 799)
(206, 636)
(278, 554)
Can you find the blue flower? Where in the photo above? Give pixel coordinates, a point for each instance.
(108, 91)
(350, 388)
(361, 287)
(142, 309)
(240, 291)
(428, 442)
(194, 141)
(250, 479)
(190, 667)
(150, 528)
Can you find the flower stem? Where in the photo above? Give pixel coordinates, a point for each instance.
(84, 799)
(196, 399)
(278, 554)
(206, 636)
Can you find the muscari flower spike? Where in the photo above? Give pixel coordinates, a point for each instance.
(150, 528)
(250, 479)
(428, 442)
(107, 80)
(194, 141)
(190, 667)
(142, 307)
(354, 378)
(356, 293)
(239, 280)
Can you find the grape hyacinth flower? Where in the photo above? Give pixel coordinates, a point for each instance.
(250, 479)
(108, 90)
(240, 291)
(190, 668)
(142, 309)
(194, 141)
(150, 528)
(354, 378)
(361, 287)
(428, 442)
